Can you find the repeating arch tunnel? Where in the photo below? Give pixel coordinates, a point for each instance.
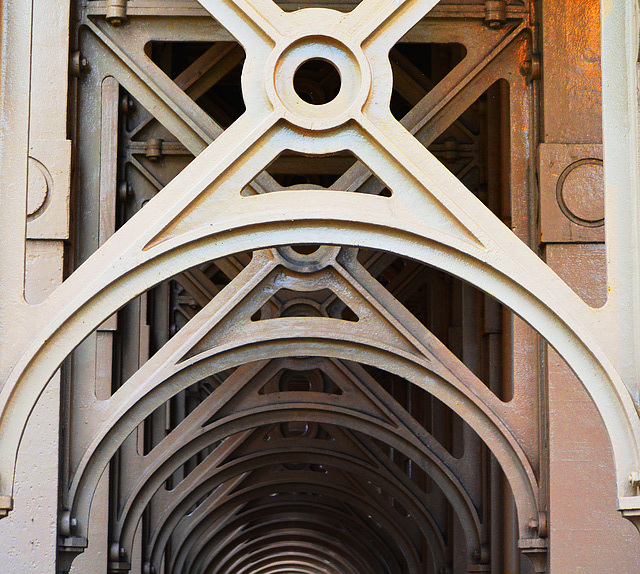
(354, 410)
(312, 446)
(267, 449)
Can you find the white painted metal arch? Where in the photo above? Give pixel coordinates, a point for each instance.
(430, 217)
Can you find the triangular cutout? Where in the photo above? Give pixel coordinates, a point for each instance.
(339, 5)
(280, 436)
(337, 278)
(235, 193)
(300, 381)
(244, 394)
(319, 303)
(294, 170)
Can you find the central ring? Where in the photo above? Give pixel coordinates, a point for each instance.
(355, 81)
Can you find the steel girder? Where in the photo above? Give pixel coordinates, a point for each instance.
(429, 369)
(430, 217)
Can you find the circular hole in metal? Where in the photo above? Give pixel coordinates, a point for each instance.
(317, 81)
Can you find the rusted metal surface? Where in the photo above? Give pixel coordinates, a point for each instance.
(303, 323)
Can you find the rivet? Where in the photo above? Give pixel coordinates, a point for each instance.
(495, 13)
(126, 104)
(482, 555)
(116, 12)
(67, 524)
(125, 191)
(154, 149)
(78, 64)
(540, 525)
(114, 553)
(532, 67)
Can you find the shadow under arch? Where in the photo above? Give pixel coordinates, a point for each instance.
(76, 321)
(203, 536)
(209, 479)
(312, 523)
(320, 530)
(68, 329)
(488, 428)
(195, 433)
(316, 516)
(278, 552)
(166, 374)
(301, 548)
(129, 263)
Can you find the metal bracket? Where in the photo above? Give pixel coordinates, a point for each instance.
(536, 550)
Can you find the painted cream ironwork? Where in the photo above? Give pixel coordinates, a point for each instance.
(299, 328)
